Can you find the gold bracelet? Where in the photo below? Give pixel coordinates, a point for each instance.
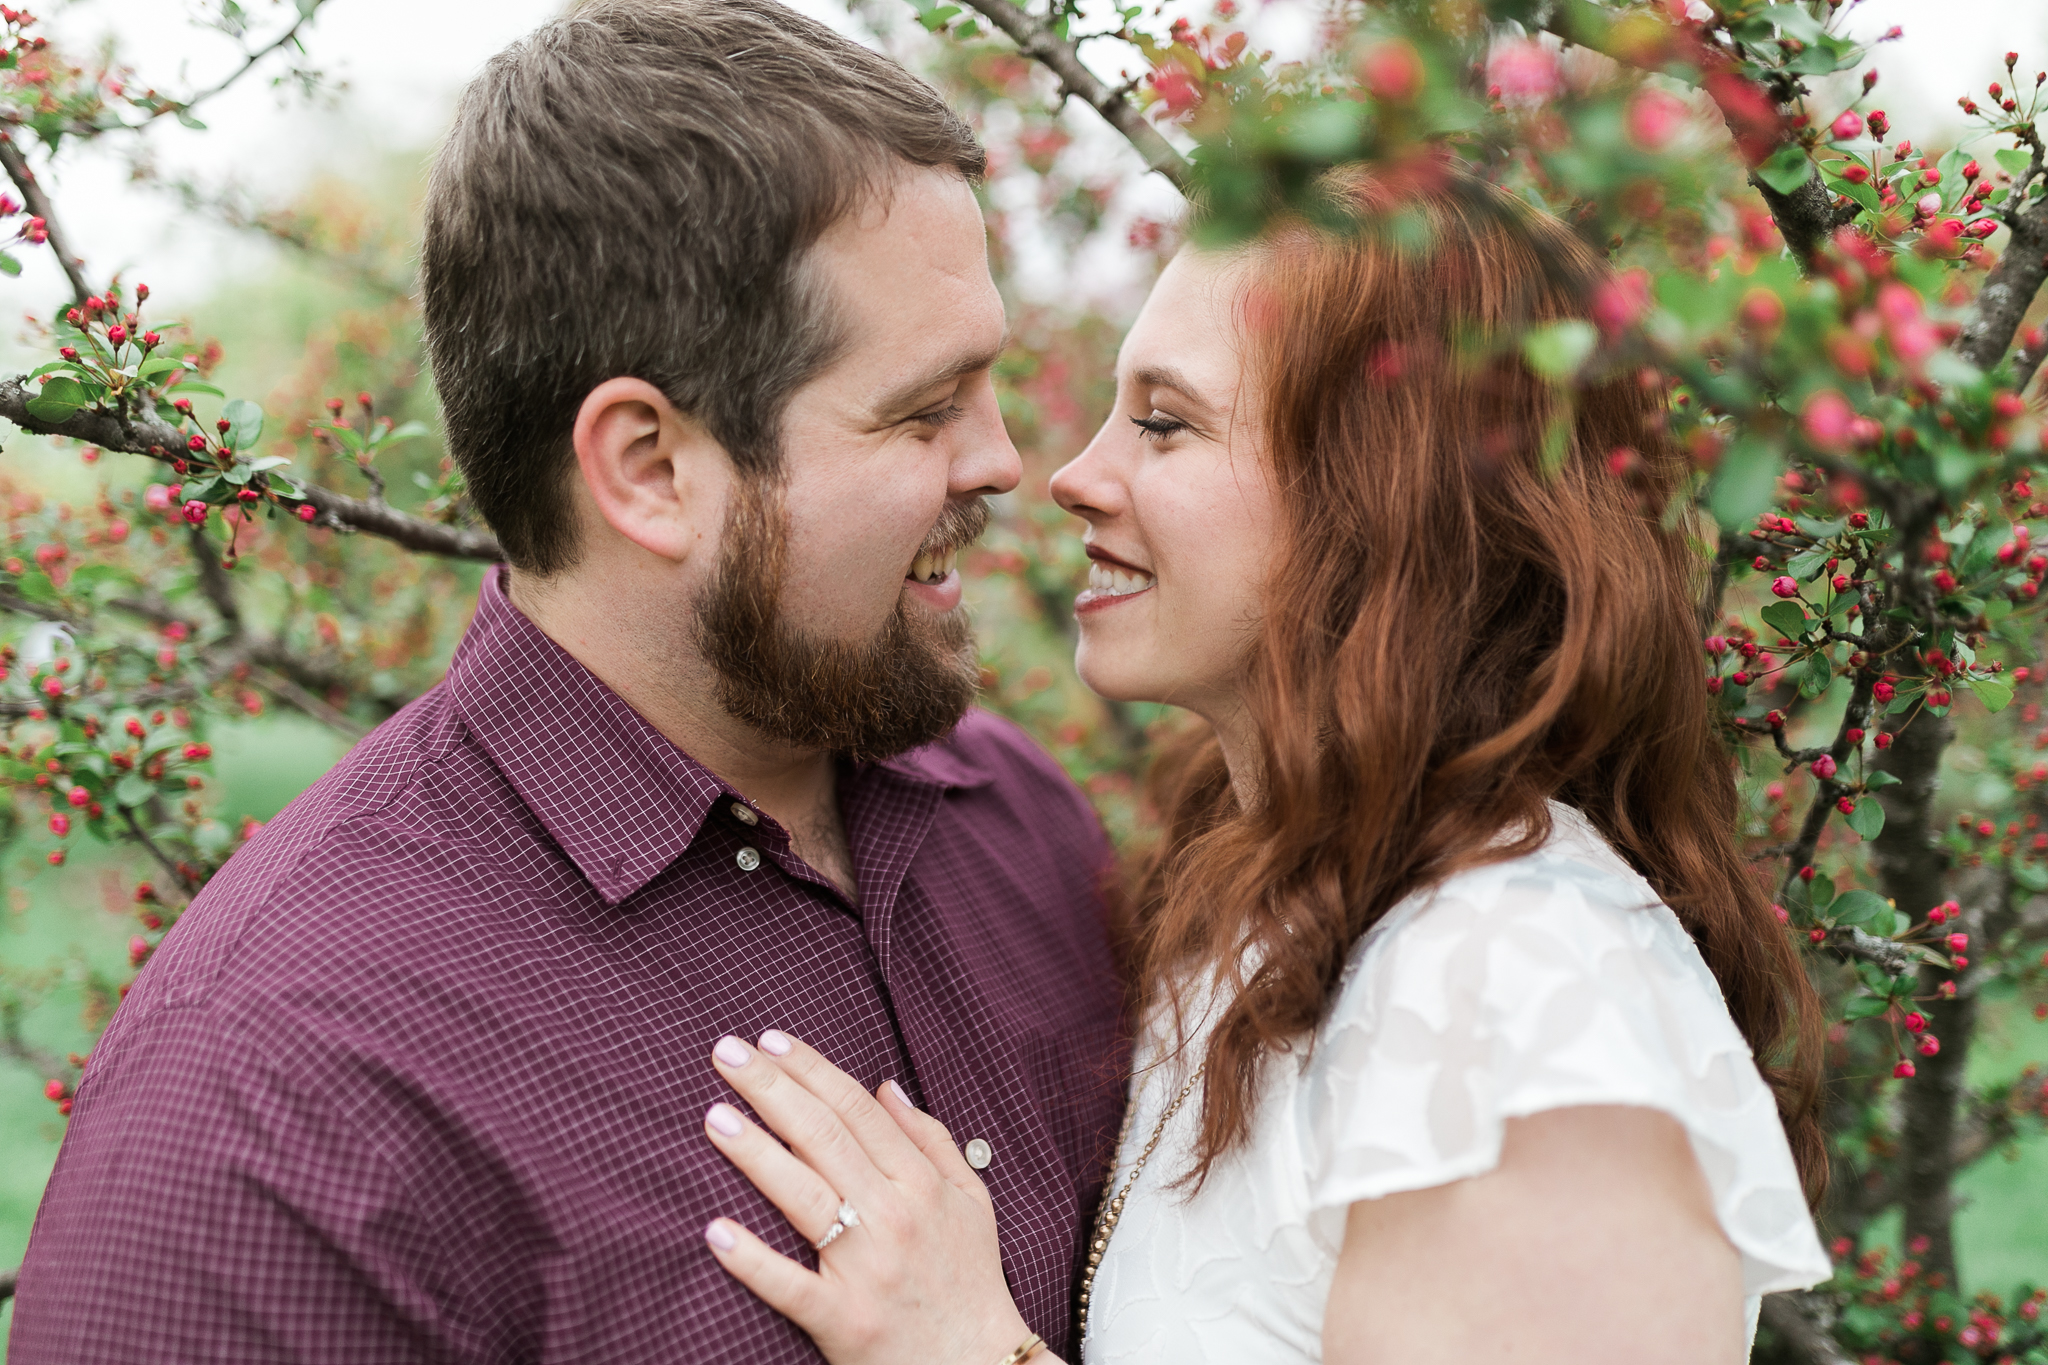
(1031, 1346)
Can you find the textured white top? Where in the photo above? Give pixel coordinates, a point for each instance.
(1552, 980)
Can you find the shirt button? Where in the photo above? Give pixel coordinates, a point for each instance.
(978, 1154)
(744, 813)
(748, 859)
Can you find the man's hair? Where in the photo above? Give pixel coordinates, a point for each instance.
(632, 190)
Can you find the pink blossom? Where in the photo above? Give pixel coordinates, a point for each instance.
(1829, 420)
(1848, 127)
(1654, 117)
(1523, 69)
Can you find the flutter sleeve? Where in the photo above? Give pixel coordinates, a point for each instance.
(1543, 983)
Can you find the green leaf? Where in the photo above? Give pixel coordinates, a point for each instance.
(1862, 193)
(186, 117)
(245, 423)
(158, 364)
(1787, 169)
(188, 386)
(8, 265)
(1807, 564)
(268, 462)
(59, 399)
(1821, 892)
(1795, 22)
(1995, 693)
(1787, 618)
(1557, 349)
(1868, 817)
(1744, 484)
(1866, 1007)
(2013, 160)
(2032, 876)
(1819, 673)
(1861, 909)
(134, 790)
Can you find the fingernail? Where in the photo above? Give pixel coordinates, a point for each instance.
(732, 1052)
(775, 1044)
(897, 1090)
(720, 1236)
(724, 1118)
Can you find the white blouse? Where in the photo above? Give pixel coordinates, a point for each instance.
(1552, 980)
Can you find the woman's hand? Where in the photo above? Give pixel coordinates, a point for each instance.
(919, 1280)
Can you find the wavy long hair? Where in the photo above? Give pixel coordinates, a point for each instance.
(1481, 603)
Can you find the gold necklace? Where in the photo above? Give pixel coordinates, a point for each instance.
(1106, 1217)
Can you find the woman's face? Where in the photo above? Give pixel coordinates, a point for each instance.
(1178, 498)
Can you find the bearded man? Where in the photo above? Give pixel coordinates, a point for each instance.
(422, 1074)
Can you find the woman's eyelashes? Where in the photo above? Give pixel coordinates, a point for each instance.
(1159, 426)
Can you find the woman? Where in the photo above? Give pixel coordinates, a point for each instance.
(1450, 971)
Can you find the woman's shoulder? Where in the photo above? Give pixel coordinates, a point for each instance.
(1569, 913)
(1552, 979)
(1546, 981)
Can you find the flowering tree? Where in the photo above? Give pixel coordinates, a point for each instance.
(1838, 315)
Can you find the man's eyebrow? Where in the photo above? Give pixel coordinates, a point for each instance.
(905, 399)
(1167, 377)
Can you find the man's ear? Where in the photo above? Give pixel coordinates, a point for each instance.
(655, 476)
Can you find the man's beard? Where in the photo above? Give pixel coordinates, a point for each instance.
(907, 685)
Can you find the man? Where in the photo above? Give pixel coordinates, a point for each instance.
(422, 1075)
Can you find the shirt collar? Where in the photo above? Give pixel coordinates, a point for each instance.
(619, 798)
(612, 791)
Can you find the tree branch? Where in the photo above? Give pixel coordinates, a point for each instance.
(1035, 39)
(288, 37)
(164, 861)
(147, 434)
(38, 204)
(2007, 294)
(1802, 1322)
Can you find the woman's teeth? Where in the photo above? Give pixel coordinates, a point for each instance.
(934, 568)
(1109, 582)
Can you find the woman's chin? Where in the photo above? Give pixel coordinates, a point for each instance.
(1107, 679)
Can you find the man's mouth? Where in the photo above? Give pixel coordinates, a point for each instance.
(933, 566)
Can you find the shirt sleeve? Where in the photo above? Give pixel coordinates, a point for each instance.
(207, 1207)
(1536, 985)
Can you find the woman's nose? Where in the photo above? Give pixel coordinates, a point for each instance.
(1087, 485)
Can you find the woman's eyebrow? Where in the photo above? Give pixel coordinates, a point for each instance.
(1167, 377)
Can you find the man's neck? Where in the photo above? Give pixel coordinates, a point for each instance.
(675, 691)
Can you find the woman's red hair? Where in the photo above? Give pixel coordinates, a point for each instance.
(1481, 603)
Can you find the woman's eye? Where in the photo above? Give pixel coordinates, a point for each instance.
(1159, 426)
(941, 417)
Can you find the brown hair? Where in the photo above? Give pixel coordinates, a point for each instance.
(1459, 628)
(630, 191)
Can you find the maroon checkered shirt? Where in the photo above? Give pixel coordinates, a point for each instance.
(421, 1075)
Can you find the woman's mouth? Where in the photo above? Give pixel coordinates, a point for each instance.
(1111, 583)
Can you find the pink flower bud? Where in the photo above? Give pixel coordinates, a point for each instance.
(1903, 1071)
(1958, 942)
(1784, 586)
(195, 512)
(1848, 126)
(1928, 204)
(1916, 1022)
(1828, 419)
(60, 825)
(1824, 766)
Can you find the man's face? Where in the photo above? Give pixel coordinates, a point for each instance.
(834, 618)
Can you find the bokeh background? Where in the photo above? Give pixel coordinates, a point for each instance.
(285, 230)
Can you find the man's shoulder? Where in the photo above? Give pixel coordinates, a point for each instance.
(1001, 766)
(402, 824)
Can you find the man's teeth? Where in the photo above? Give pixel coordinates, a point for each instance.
(1111, 582)
(934, 568)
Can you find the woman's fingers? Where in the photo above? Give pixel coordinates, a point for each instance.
(879, 1135)
(798, 1294)
(931, 1137)
(806, 1200)
(811, 1127)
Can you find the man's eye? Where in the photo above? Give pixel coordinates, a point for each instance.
(941, 417)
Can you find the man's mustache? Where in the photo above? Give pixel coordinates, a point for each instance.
(959, 524)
